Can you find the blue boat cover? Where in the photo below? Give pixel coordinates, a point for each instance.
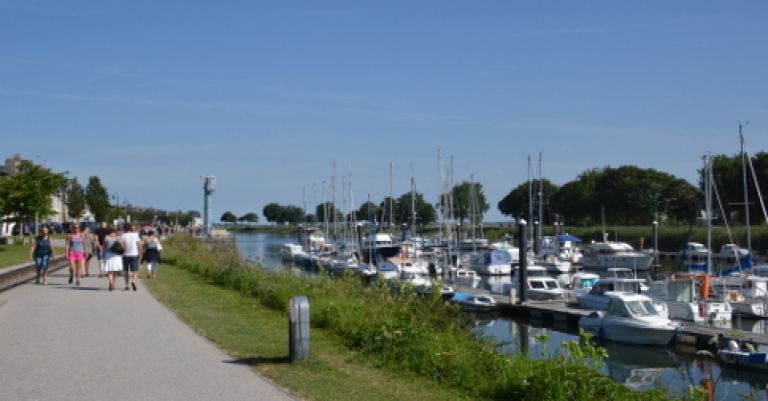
(568, 237)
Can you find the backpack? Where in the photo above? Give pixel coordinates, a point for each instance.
(117, 248)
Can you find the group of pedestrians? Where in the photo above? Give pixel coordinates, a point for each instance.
(117, 250)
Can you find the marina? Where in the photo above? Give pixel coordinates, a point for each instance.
(638, 366)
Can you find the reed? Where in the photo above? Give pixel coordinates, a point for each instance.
(406, 333)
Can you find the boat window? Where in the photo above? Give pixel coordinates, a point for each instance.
(551, 285)
(618, 308)
(641, 308)
(589, 282)
(536, 285)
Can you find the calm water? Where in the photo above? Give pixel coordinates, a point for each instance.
(638, 367)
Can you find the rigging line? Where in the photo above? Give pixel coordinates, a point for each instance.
(722, 213)
(757, 185)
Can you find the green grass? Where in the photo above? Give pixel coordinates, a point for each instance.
(366, 340)
(13, 254)
(258, 336)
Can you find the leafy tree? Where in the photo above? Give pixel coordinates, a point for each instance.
(292, 215)
(728, 172)
(27, 193)
(272, 212)
(327, 212)
(249, 218)
(468, 201)
(369, 211)
(577, 200)
(425, 212)
(516, 202)
(382, 212)
(97, 198)
(75, 199)
(228, 217)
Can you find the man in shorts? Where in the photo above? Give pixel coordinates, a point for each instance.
(131, 255)
(101, 233)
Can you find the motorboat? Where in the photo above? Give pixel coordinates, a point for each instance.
(553, 265)
(378, 247)
(599, 295)
(413, 265)
(577, 284)
(690, 297)
(467, 277)
(752, 299)
(474, 302)
(544, 288)
(607, 254)
(630, 318)
(741, 353)
(562, 247)
(694, 257)
(291, 252)
(732, 259)
(492, 262)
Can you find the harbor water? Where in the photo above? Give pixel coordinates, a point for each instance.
(638, 367)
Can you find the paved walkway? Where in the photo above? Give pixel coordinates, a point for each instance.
(59, 342)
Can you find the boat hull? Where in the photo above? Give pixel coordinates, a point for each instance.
(629, 331)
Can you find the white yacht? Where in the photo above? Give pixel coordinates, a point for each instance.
(563, 247)
(600, 294)
(694, 257)
(752, 300)
(291, 252)
(690, 297)
(492, 262)
(544, 288)
(630, 318)
(604, 255)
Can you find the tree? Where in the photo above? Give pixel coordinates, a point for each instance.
(249, 218)
(468, 202)
(292, 215)
(327, 212)
(272, 212)
(27, 193)
(368, 211)
(75, 199)
(97, 198)
(425, 213)
(517, 202)
(228, 217)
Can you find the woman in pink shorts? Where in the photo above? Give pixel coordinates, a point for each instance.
(75, 251)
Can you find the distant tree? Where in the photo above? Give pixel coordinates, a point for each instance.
(76, 201)
(27, 193)
(516, 202)
(272, 212)
(425, 212)
(292, 215)
(228, 217)
(249, 218)
(468, 201)
(97, 198)
(383, 212)
(327, 212)
(728, 172)
(368, 211)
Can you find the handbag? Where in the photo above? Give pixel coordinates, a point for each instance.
(117, 248)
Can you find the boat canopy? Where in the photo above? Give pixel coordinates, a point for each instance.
(568, 237)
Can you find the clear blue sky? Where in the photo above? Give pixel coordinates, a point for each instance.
(265, 95)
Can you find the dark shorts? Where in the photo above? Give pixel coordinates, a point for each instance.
(130, 263)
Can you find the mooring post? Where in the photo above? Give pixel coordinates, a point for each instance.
(298, 328)
(523, 279)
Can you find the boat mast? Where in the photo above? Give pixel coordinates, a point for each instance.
(391, 194)
(744, 184)
(540, 196)
(708, 205)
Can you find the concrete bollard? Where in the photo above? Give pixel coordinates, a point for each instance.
(298, 328)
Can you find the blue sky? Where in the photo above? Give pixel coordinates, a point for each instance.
(267, 95)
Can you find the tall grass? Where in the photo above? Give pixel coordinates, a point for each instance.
(406, 333)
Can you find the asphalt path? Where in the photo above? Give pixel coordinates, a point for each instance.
(62, 342)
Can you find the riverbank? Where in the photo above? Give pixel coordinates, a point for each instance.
(399, 338)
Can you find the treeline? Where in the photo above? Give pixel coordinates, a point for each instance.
(465, 201)
(630, 195)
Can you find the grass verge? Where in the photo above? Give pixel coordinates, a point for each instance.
(258, 336)
(367, 343)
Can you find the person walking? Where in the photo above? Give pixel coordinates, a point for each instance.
(42, 251)
(151, 254)
(113, 256)
(88, 243)
(74, 248)
(101, 233)
(131, 256)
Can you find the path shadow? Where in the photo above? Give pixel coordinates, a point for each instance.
(76, 288)
(260, 360)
